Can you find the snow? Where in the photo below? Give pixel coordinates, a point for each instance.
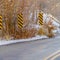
(4, 42)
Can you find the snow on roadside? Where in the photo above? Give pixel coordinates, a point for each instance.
(4, 42)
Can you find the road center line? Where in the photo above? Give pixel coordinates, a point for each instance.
(55, 57)
(52, 55)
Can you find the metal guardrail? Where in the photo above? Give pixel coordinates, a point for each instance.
(54, 18)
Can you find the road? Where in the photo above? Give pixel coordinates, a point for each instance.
(34, 50)
(52, 7)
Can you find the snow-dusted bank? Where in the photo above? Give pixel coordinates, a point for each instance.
(46, 17)
(7, 42)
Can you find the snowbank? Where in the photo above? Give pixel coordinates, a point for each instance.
(4, 42)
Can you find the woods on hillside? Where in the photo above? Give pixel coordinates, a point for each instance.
(9, 10)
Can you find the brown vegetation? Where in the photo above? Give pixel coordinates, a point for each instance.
(9, 10)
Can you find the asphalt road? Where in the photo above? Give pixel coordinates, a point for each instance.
(34, 50)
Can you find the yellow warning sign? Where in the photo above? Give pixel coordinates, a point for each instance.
(1, 22)
(40, 18)
(20, 20)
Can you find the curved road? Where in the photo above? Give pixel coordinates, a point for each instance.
(34, 50)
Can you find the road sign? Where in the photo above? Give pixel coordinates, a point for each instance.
(40, 18)
(20, 20)
(1, 22)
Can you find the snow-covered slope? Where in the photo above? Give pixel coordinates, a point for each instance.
(46, 17)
